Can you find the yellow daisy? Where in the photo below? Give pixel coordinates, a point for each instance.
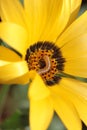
(41, 48)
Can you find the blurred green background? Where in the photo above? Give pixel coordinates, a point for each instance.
(14, 105)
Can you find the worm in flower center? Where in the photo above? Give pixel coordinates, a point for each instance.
(46, 58)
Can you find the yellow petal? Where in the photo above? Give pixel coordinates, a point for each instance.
(38, 89)
(2, 63)
(75, 6)
(12, 11)
(41, 113)
(74, 47)
(75, 86)
(45, 18)
(67, 113)
(79, 102)
(81, 106)
(24, 79)
(13, 70)
(14, 35)
(58, 20)
(77, 67)
(76, 29)
(8, 55)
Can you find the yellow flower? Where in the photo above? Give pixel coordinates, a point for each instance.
(40, 49)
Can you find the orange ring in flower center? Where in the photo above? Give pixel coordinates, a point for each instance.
(47, 60)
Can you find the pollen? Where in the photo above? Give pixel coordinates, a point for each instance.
(46, 58)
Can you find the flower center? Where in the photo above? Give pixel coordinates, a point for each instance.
(46, 59)
(42, 63)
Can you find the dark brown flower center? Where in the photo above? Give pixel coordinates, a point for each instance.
(42, 63)
(46, 59)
